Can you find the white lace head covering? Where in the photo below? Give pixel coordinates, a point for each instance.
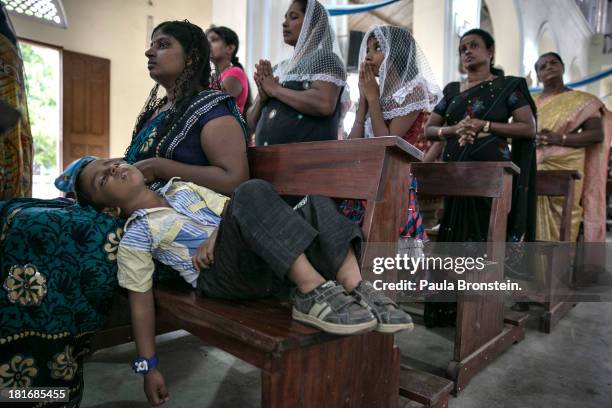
(406, 81)
(316, 55)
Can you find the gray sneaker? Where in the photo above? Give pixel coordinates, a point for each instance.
(390, 317)
(329, 308)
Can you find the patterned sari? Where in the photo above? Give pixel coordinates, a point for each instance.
(566, 113)
(58, 275)
(148, 143)
(16, 151)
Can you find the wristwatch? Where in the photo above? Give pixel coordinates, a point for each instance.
(142, 365)
(486, 127)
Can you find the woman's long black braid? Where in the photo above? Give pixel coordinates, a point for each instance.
(194, 78)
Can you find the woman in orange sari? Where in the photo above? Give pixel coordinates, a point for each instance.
(574, 133)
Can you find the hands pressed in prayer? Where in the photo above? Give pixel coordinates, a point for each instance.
(269, 85)
(368, 86)
(265, 80)
(258, 76)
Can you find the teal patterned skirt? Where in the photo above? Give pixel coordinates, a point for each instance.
(58, 273)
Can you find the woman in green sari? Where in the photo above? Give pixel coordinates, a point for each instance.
(573, 134)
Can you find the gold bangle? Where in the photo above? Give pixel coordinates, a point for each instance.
(440, 135)
(487, 127)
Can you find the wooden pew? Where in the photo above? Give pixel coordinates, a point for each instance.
(481, 333)
(301, 366)
(557, 278)
(376, 170)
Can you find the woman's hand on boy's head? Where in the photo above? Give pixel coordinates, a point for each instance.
(155, 387)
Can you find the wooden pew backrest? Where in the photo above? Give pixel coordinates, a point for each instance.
(478, 320)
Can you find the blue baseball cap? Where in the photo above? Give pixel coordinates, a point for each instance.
(66, 181)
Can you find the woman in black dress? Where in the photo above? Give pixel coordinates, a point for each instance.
(488, 117)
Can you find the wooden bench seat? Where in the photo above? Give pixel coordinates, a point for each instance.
(300, 366)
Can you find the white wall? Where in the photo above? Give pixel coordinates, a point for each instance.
(566, 28)
(117, 30)
(264, 32)
(429, 17)
(233, 15)
(508, 41)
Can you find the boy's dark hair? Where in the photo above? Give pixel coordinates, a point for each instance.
(82, 195)
(229, 37)
(548, 54)
(489, 43)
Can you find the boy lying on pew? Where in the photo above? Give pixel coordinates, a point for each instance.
(250, 246)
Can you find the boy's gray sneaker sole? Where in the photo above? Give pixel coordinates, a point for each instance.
(333, 328)
(388, 328)
(391, 319)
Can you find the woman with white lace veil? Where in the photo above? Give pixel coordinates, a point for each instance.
(398, 104)
(406, 91)
(299, 99)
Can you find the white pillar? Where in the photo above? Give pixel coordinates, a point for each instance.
(461, 16)
(437, 26)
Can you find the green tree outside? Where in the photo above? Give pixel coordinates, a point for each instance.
(42, 79)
